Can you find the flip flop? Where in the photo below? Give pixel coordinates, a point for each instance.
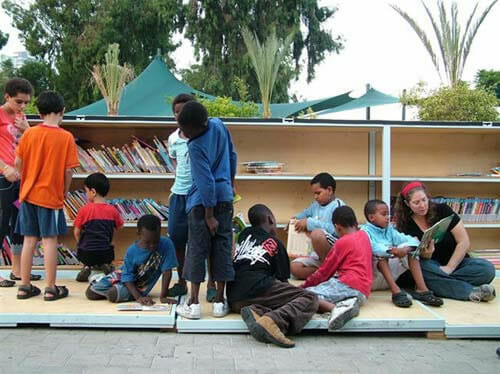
(57, 292)
(401, 300)
(7, 283)
(33, 277)
(428, 298)
(177, 290)
(29, 291)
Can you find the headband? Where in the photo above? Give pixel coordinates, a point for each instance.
(409, 187)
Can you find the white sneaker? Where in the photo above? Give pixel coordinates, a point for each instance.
(220, 309)
(192, 311)
(344, 311)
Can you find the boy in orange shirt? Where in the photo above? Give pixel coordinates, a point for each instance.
(45, 156)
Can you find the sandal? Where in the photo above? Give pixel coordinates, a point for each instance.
(33, 277)
(29, 291)
(428, 298)
(177, 290)
(211, 294)
(56, 292)
(401, 300)
(7, 283)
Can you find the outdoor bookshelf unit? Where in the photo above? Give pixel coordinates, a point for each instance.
(369, 159)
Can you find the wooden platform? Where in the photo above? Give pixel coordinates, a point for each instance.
(76, 310)
(456, 319)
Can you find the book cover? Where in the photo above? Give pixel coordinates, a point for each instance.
(436, 232)
(146, 308)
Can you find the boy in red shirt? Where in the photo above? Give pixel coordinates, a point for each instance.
(95, 225)
(351, 260)
(45, 156)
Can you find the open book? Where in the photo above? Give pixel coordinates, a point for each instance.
(140, 307)
(436, 232)
(298, 244)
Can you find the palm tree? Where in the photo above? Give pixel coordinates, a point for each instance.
(454, 47)
(110, 78)
(266, 59)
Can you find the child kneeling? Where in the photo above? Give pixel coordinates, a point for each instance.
(150, 257)
(386, 242)
(351, 259)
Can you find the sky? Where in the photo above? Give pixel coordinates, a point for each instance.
(380, 49)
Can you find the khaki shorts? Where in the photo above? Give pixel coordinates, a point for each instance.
(397, 265)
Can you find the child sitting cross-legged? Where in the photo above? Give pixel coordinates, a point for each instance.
(150, 257)
(344, 279)
(316, 222)
(391, 251)
(269, 305)
(95, 225)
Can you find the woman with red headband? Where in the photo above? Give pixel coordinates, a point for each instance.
(447, 268)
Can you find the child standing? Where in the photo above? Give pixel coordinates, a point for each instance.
(316, 222)
(269, 305)
(13, 123)
(45, 156)
(386, 241)
(178, 219)
(150, 257)
(351, 259)
(209, 206)
(95, 225)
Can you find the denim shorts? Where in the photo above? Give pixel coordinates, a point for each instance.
(178, 221)
(34, 220)
(202, 245)
(333, 290)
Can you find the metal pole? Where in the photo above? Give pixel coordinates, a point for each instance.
(403, 113)
(368, 108)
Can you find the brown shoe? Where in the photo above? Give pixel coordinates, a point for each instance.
(267, 330)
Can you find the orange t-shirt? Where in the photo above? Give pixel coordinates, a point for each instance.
(46, 152)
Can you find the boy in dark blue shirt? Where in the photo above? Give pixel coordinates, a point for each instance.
(146, 260)
(209, 206)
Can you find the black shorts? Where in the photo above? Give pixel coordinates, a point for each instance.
(92, 258)
(201, 245)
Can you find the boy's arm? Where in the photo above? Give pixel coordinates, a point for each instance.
(399, 239)
(305, 213)
(77, 232)
(202, 176)
(144, 300)
(327, 269)
(166, 276)
(313, 224)
(233, 157)
(68, 175)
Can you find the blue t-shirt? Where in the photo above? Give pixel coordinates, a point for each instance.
(178, 150)
(213, 166)
(144, 267)
(320, 216)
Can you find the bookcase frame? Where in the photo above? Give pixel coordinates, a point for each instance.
(369, 159)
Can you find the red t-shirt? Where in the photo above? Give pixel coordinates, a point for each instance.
(9, 137)
(351, 259)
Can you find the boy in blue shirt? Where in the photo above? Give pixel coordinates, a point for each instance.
(316, 222)
(209, 206)
(386, 243)
(150, 257)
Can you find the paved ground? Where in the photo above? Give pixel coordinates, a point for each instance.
(49, 350)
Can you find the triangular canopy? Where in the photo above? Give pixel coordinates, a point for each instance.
(147, 95)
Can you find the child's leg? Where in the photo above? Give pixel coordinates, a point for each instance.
(325, 306)
(416, 272)
(301, 271)
(29, 246)
(320, 244)
(50, 259)
(383, 267)
(194, 296)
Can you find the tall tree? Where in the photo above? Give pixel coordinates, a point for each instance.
(214, 27)
(266, 58)
(489, 80)
(73, 35)
(39, 73)
(454, 46)
(4, 38)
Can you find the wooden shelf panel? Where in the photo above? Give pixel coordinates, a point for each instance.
(453, 179)
(478, 225)
(247, 176)
(459, 190)
(395, 129)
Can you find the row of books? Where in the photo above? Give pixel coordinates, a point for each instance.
(492, 255)
(65, 256)
(137, 157)
(130, 209)
(473, 209)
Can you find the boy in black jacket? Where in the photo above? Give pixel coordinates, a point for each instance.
(269, 305)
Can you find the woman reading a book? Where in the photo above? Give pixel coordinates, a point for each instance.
(447, 268)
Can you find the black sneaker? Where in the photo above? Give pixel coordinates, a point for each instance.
(83, 275)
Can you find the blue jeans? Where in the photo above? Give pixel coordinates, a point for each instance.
(470, 273)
